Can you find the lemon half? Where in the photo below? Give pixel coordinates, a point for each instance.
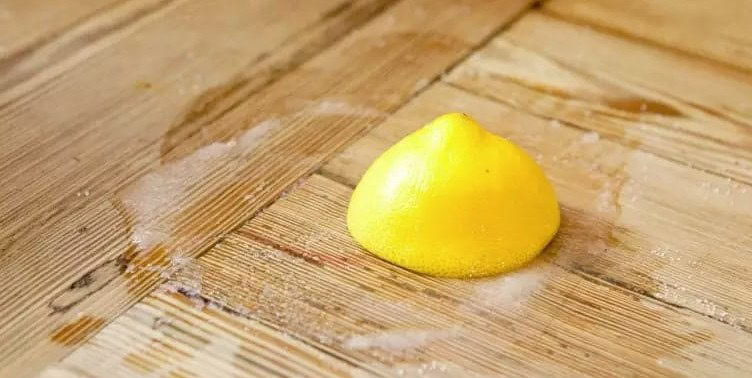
(453, 200)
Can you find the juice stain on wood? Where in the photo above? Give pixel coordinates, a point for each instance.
(78, 331)
(642, 105)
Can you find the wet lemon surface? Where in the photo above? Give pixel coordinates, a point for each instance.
(454, 200)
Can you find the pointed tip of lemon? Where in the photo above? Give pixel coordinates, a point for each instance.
(454, 122)
(453, 119)
(474, 207)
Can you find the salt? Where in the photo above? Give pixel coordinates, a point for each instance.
(154, 197)
(590, 137)
(398, 340)
(511, 289)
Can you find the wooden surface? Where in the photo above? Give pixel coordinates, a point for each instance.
(175, 176)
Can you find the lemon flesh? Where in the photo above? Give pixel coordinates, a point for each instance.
(454, 200)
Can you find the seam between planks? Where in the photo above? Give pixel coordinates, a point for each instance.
(533, 6)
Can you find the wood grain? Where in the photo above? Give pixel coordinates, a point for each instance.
(139, 134)
(25, 24)
(296, 267)
(611, 296)
(717, 30)
(631, 218)
(114, 209)
(53, 54)
(645, 97)
(172, 335)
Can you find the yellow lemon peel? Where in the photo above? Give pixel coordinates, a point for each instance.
(454, 200)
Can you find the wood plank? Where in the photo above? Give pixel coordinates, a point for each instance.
(47, 40)
(719, 30)
(666, 103)
(113, 211)
(656, 227)
(172, 335)
(24, 24)
(295, 266)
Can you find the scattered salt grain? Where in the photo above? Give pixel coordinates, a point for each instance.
(555, 123)
(431, 369)
(511, 289)
(251, 138)
(398, 340)
(152, 199)
(590, 137)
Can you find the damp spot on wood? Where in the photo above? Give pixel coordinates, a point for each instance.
(77, 331)
(144, 85)
(140, 265)
(639, 105)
